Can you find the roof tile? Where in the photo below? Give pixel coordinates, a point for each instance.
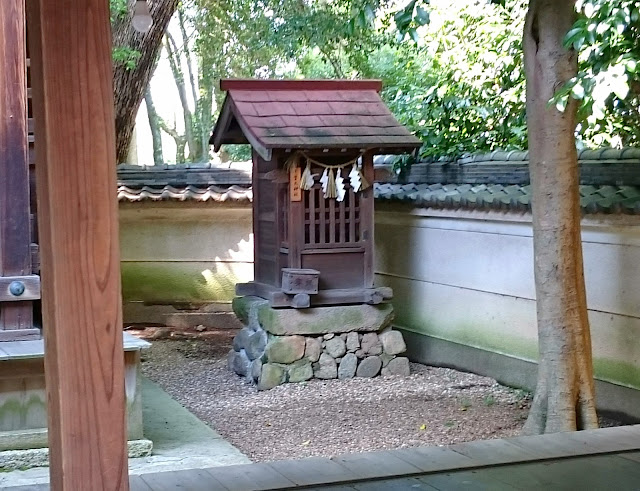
(595, 199)
(186, 193)
(312, 114)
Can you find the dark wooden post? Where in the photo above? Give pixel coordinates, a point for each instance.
(15, 252)
(78, 228)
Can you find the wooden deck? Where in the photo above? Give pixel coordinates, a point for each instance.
(607, 459)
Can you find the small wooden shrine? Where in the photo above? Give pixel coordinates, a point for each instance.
(313, 144)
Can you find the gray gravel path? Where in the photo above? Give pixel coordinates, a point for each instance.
(433, 406)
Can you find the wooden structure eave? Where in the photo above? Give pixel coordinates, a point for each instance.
(233, 125)
(224, 134)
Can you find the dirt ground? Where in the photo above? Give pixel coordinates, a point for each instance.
(433, 406)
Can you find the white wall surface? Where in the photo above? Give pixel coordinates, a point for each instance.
(468, 278)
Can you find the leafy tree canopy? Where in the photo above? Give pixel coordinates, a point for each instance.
(452, 70)
(607, 34)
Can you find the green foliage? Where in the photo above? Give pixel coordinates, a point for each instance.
(607, 34)
(462, 88)
(124, 55)
(118, 9)
(237, 153)
(410, 18)
(458, 84)
(339, 36)
(127, 56)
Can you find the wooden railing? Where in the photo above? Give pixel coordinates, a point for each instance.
(18, 285)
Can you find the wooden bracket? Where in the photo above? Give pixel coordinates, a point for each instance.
(30, 286)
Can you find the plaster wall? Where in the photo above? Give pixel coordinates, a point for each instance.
(467, 278)
(184, 253)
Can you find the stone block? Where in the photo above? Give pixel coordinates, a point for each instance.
(241, 306)
(392, 342)
(313, 348)
(317, 321)
(386, 358)
(369, 367)
(335, 347)
(300, 371)
(256, 344)
(399, 366)
(347, 367)
(241, 339)
(353, 342)
(256, 370)
(271, 376)
(240, 363)
(285, 349)
(371, 344)
(325, 368)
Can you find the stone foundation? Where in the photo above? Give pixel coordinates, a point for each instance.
(277, 346)
(23, 402)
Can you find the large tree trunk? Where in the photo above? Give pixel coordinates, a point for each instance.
(130, 85)
(564, 397)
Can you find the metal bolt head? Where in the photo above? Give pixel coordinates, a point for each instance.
(16, 288)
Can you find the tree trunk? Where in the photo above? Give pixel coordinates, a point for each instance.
(173, 56)
(564, 397)
(205, 105)
(154, 125)
(130, 85)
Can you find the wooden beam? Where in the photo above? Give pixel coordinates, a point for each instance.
(278, 299)
(78, 226)
(19, 288)
(15, 255)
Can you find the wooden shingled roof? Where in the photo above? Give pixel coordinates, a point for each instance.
(309, 114)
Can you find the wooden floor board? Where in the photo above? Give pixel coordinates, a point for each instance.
(376, 464)
(550, 446)
(489, 452)
(635, 456)
(593, 473)
(250, 477)
(136, 483)
(472, 479)
(187, 480)
(401, 484)
(314, 471)
(338, 487)
(429, 459)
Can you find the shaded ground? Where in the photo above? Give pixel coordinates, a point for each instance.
(434, 406)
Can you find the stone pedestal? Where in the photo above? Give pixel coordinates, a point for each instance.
(23, 407)
(277, 346)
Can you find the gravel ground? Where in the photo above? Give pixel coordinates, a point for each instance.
(433, 406)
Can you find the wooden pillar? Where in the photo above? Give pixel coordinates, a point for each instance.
(78, 227)
(367, 219)
(15, 252)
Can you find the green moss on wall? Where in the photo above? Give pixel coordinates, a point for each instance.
(18, 414)
(483, 336)
(479, 336)
(167, 283)
(617, 372)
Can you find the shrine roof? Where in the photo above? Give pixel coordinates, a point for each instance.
(309, 114)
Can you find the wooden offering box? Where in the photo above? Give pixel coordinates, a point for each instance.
(313, 144)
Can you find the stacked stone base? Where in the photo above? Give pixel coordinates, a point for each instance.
(278, 346)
